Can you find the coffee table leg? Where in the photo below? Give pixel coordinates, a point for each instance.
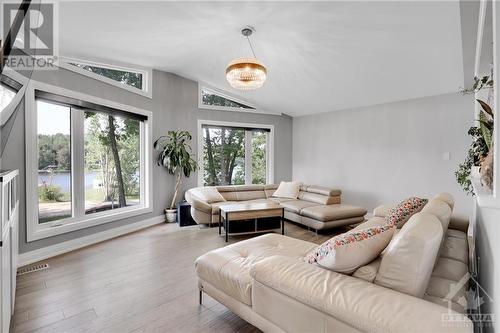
(283, 222)
(220, 222)
(226, 227)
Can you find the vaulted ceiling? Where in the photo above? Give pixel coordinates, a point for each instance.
(321, 56)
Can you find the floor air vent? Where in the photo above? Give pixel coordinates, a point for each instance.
(31, 269)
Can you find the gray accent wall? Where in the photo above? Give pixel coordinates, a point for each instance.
(175, 107)
(385, 153)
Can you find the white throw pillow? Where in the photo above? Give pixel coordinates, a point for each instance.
(288, 190)
(208, 194)
(347, 252)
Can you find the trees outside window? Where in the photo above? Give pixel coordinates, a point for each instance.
(213, 99)
(224, 156)
(111, 162)
(129, 78)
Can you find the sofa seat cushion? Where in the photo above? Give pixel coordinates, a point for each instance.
(296, 206)
(368, 272)
(216, 206)
(447, 289)
(280, 200)
(444, 303)
(456, 233)
(326, 213)
(450, 269)
(455, 248)
(447, 293)
(228, 268)
(266, 201)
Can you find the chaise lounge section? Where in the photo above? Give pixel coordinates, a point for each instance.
(266, 281)
(316, 207)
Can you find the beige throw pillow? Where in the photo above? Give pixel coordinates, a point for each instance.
(208, 194)
(346, 252)
(288, 190)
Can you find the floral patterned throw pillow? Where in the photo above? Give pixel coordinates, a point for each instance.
(346, 252)
(402, 212)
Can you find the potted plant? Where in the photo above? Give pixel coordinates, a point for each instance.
(479, 160)
(175, 155)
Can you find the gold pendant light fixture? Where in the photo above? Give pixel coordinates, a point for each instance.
(246, 73)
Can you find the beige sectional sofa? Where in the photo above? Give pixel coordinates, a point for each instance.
(266, 281)
(316, 206)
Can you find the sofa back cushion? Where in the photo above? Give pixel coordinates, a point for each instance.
(319, 194)
(242, 192)
(441, 210)
(446, 197)
(409, 258)
(269, 189)
(346, 252)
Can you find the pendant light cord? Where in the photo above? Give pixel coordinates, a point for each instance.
(251, 47)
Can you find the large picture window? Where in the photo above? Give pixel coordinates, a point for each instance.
(112, 162)
(91, 164)
(234, 154)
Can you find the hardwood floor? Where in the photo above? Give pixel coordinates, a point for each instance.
(141, 282)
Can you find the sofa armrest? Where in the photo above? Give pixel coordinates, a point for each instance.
(360, 304)
(197, 203)
(381, 211)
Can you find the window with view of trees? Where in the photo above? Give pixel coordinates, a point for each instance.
(112, 162)
(213, 99)
(234, 156)
(107, 176)
(54, 162)
(130, 78)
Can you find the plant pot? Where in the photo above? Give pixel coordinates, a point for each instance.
(487, 171)
(171, 215)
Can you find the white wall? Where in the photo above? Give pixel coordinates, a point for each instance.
(384, 153)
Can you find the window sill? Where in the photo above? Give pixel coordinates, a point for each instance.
(44, 231)
(484, 196)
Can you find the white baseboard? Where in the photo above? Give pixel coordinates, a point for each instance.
(74, 244)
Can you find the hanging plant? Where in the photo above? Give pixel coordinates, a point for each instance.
(486, 82)
(479, 151)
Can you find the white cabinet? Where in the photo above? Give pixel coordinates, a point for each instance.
(9, 205)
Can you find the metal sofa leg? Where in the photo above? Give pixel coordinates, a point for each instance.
(201, 297)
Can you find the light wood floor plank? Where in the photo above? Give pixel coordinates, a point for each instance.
(140, 282)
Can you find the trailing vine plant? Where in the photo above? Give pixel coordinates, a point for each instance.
(481, 136)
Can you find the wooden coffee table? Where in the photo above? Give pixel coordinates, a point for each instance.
(250, 211)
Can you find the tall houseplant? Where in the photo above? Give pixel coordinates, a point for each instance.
(175, 155)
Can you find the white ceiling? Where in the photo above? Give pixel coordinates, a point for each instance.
(321, 56)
